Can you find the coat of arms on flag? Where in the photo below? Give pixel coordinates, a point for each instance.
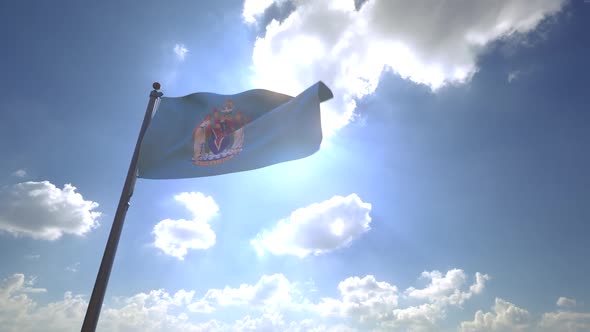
(206, 134)
(219, 136)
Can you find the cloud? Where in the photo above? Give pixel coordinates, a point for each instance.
(272, 304)
(152, 311)
(180, 50)
(442, 292)
(176, 236)
(140, 312)
(378, 302)
(268, 322)
(505, 316)
(14, 302)
(565, 302)
(254, 8)
(17, 284)
(447, 287)
(565, 321)
(40, 210)
(317, 229)
(365, 298)
(19, 173)
(202, 207)
(272, 291)
(32, 256)
(425, 42)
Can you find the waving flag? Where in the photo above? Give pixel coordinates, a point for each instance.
(205, 134)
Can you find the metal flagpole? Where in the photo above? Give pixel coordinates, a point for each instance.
(102, 278)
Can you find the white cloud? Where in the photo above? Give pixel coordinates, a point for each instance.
(150, 311)
(176, 237)
(480, 282)
(266, 322)
(505, 316)
(565, 321)
(378, 303)
(272, 304)
(365, 298)
(154, 311)
(273, 291)
(428, 43)
(273, 322)
(442, 292)
(42, 211)
(180, 50)
(17, 284)
(19, 173)
(448, 287)
(439, 285)
(565, 302)
(14, 301)
(317, 229)
(63, 315)
(254, 8)
(141, 312)
(202, 207)
(32, 256)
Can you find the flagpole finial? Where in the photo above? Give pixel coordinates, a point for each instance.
(155, 93)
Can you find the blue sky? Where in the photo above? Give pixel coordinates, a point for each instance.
(454, 155)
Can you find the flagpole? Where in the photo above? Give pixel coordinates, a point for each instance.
(102, 278)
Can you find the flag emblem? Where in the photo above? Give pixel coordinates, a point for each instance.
(219, 136)
(206, 134)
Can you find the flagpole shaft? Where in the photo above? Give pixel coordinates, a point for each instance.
(102, 278)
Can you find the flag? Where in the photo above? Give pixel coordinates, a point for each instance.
(205, 134)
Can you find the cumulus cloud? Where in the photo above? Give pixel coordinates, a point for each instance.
(140, 312)
(153, 311)
(365, 298)
(14, 301)
(442, 292)
(448, 287)
(43, 211)
(176, 236)
(180, 50)
(317, 229)
(17, 284)
(274, 291)
(428, 43)
(505, 316)
(19, 173)
(272, 304)
(378, 302)
(565, 321)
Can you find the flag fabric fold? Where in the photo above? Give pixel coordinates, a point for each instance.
(205, 134)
